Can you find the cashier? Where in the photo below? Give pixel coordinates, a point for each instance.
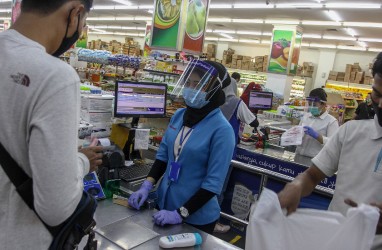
(318, 124)
(195, 153)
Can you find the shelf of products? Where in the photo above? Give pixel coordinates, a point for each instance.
(161, 72)
(352, 90)
(249, 76)
(298, 87)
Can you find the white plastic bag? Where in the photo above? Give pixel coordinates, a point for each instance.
(292, 136)
(309, 229)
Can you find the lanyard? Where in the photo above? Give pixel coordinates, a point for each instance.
(181, 141)
(378, 161)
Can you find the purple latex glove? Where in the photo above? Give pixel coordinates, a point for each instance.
(137, 198)
(164, 217)
(310, 131)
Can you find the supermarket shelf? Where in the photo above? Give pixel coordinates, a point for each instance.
(357, 99)
(160, 72)
(350, 107)
(350, 85)
(170, 60)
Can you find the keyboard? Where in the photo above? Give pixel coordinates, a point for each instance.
(135, 172)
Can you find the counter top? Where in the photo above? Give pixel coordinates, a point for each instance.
(122, 228)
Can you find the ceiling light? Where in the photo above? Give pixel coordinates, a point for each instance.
(267, 34)
(219, 20)
(333, 15)
(150, 11)
(145, 7)
(375, 49)
(209, 30)
(142, 18)
(343, 38)
(243, 32)
(362, 24)
(5, 18)
(312, 36)
(271, 21)
(248, 41)
(252, 6)
(122, 2)
(228, 40)
(265, 41)
(362, 44)
(226, 36)
(299, 6)
(353, 6)
(225, 31)
(5, 10)
(372, 40)
(221, 6)
(5, 1)
(212, 39)
(247, 20)
(305, 44)
(124, 18)
(101, 19)
(115, 7)
(351, 48)
(141, 28)
(327, 46)
(103, 7)
(98, 30)
(351, 32)
(320, 23)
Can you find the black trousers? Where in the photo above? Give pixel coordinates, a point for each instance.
(207, 228)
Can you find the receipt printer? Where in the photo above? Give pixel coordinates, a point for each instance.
(113, 159)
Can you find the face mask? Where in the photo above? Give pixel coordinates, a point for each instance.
(67, 42)
(194, 99)
(378, 112)
(315, 111)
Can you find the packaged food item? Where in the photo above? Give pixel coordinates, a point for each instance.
(180, 240)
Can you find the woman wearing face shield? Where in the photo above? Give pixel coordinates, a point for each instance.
(195, 152)
(318, 124)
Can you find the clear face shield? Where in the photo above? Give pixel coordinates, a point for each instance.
(197, 84)
(314, 105)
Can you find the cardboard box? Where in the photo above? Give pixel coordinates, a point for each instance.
(239, 64)
(96, 117)
(237, 57)
(247, 58)
(97, 103)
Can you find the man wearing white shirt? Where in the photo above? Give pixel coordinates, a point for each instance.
(355, 154)
(318, 124)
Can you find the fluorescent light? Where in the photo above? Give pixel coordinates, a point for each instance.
(227, 40)
(219, 20)
(247, 20)
(124, 18)
(225, 31)
(299, 5)
(101, 19)
(375, 49)
(212, 39)
(145, 7)
(373, 40)
(265, 41)
(351, 48)
(5, 10)
(344, 38)
(248, 41)
(252, 6)
(226, 36)
(221, 6)
(141, 28)
(333, 15)
(98, 30)
(209, 30)
(312, 36)
(362, 24)
(362, 44)
(114, 27)
(351, 32)
(142, 18)
(353, 6)
(5, 18)
(327, 46)
(305, 44)
(103, 7)
(243, 32)
(321, 23)
(150, 11)
(280, 21)
(5, 1)
(115, 7)
(122, 2)
(267, 34)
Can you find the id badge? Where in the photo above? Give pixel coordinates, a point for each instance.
(174, 172)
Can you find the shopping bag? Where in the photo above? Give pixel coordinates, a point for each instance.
(292, 137)
(309, 229)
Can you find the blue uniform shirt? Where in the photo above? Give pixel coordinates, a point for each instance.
(204, 160)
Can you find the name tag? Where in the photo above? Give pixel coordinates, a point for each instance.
(174, 172)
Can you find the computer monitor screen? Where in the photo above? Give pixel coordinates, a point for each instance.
(137, 99)
(261, 100)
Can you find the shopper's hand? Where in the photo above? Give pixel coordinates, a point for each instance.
(290, 197)
(164, 217)
(378, 205)
(311, 132)
(94, 154)
(137, 198)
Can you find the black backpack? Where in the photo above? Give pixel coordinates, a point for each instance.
(68, 234)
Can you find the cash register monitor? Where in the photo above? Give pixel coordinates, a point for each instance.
(139, 99)
(260, 100)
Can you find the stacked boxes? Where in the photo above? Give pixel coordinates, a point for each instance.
(353, 74)
(97, 110)
(307, 69)
(211, 51)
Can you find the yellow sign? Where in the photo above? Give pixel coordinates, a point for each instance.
(361, 90)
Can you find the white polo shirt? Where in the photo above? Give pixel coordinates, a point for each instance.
(325, 124)
(353, 153)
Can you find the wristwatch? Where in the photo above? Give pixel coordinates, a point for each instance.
(183, 212)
